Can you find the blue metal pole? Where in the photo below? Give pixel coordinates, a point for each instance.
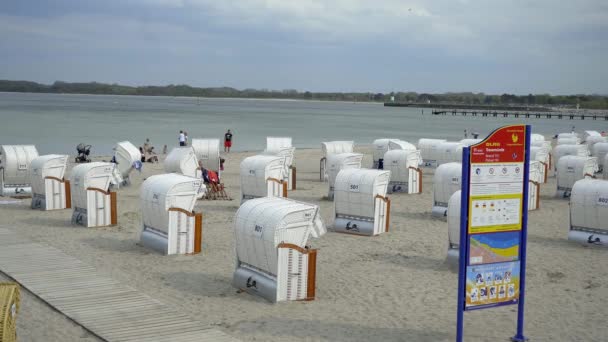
(519, 336)
(462, 252)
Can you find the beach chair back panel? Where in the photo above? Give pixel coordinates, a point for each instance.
(589, 212)
(15, 161)
(396, 162)
(593, 140)
(356, 190)
(275, 144)
(262, 224)
(570, 150)
(333, 147)
(446, 181)
(469, 142)
(571, 169)
(590, 133)
(568, 141)
(338, 162)
(449, 152)
(454, 219)
(379, 146)
(255, 172)
(600, 151)
(91, 175)
(160, 193)
(52, 165)
(125, 155)
(272, 260)
(208, 150)
(404, 167)
(182, 160)
(429, 151)
(336, 147)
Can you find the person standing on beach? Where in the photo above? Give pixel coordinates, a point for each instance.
(227, 141)
(465, 134)
(186, 138)
(182, 138)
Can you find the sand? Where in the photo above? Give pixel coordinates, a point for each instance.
(394, 287)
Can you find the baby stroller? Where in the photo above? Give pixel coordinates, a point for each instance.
(83, 153)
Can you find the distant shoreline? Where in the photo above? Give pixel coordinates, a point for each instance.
(385, 104)
(198, 97)
(406, 98)
(375, 103)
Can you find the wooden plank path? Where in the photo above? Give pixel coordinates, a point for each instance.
(108, 309)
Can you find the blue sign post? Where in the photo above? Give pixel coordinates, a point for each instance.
(519, 335)
(493, 224)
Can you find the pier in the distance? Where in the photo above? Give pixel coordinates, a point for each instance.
(527, 115)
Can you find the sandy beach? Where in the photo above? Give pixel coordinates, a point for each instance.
(394, 287)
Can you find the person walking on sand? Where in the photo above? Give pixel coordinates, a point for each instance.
(182, 138)
(227, 141)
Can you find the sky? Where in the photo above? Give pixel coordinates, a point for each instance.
(506, 46)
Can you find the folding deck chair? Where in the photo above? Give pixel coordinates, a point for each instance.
(215, 189)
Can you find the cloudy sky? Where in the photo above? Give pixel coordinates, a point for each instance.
(515, 46)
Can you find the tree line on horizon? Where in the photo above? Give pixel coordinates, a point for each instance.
(467, 98)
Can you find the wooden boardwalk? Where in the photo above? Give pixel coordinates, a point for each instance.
(108, 309)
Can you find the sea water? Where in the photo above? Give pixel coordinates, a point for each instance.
(56, 123)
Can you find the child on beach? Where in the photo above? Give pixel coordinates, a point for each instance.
(147, 145)
(148, 156)
(152, 157)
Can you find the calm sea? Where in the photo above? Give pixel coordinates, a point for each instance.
(57, 123)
